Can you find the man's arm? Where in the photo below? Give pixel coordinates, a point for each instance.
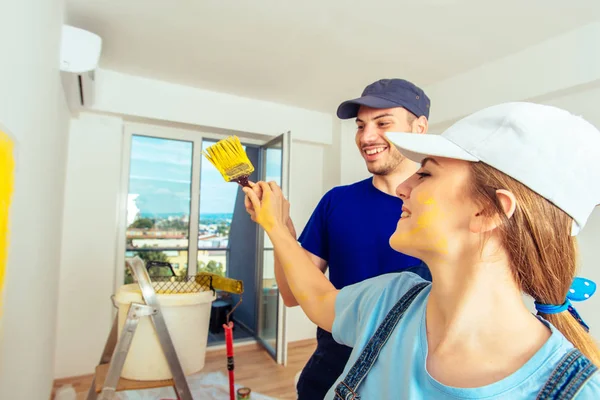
(284, 288)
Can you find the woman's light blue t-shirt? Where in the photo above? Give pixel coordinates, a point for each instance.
(400, 371)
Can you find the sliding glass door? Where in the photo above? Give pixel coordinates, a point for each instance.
(177, 208)
(160, 204)
(275, 162)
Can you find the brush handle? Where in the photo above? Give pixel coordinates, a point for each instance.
(243, 181)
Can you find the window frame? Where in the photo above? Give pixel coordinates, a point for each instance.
(196, 137)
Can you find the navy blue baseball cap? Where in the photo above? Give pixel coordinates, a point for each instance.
(388, 93)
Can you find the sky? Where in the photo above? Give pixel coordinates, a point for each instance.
(160, 178)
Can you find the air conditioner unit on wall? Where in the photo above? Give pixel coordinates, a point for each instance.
(79, 55)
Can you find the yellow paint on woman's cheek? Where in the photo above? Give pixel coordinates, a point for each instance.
(7, 167)
(428, 216)
(425, 199)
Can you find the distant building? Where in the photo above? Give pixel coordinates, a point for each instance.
(132, 209)
(174, 243)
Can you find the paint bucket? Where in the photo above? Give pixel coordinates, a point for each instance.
(186, 315)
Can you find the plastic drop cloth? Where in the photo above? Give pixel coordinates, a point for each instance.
(208, 386)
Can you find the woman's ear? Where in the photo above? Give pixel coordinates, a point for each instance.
(481, 222)
(508, 201)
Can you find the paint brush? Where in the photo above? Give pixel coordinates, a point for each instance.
(230, 159)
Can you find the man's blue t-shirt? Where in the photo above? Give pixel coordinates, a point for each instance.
(351, 229)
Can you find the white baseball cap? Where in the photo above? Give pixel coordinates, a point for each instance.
(551, 151)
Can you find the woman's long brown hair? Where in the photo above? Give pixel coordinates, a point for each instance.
(542, 252)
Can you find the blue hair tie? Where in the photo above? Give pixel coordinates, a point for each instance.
(551, 308)
(581, 289)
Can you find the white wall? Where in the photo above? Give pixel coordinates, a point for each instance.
(88, 242)
(33, 108)
(353, 167)
(590, 258)
(142, 97)
(306, 189)
(332, 158)
(540, 72)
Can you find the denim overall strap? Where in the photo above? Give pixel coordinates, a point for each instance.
(346, 389)
(571, 373)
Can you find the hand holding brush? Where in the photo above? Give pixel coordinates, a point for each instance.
(267, 206)
(277, 195)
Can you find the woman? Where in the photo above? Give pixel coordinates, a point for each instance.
(492, 212)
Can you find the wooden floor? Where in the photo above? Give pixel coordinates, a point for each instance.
(253, 368)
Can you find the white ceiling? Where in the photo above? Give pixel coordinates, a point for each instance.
(316, 53)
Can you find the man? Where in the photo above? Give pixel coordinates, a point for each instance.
(349, 230)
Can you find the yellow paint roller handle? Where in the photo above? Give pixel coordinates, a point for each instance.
(221, 283)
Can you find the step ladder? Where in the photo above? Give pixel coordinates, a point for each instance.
(107, 378)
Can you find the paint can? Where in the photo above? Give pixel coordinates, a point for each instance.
(243, 393)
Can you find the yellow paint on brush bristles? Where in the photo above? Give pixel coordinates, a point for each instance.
(230, 159)
(7, 168)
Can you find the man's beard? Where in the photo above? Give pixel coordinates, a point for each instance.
(389, 166)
